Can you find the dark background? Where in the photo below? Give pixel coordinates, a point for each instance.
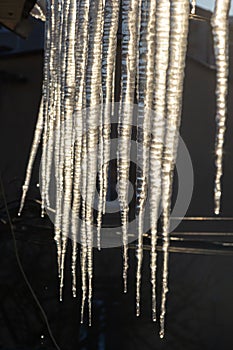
(199, 308)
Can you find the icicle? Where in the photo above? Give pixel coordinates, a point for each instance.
(84, 230)
(69, 129)
(59, 193)
(81, 45)
(143, 97)
(158, 127)
(60, 62)
(58, 23)
(51, 97)
(93, 90)
(46, 98)
(58, 162)
(81, 106)
(108, 70)
(61, 112)
(220, 25)
(129, 57)
(35, 145)
(178, 47)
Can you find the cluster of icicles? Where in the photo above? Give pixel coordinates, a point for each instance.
(79, 74)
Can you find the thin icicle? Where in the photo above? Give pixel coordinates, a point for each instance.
(51, 97)
(69, 129)
(83, 229)
(59, 142)
(143, 135)
(46, 96)
(58, 155)
(62, 154)
(94, 93)
(162, 37)
(85, 9)
(178, 47)
(129, 57)
(34, 149)
(81, 45)
(220, 24)
(59, 194)
(108, 67)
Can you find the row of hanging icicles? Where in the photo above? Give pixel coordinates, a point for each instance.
(79, 73)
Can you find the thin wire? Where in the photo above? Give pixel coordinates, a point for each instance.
(22, 270)
(203, 218)
(199, 18)
(198, 251)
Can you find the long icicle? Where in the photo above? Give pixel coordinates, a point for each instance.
(129, 66)
(178, 47)
(69, 89)
(162, 37)
(86, 11)
(80, 155)
(52, 100)
(144, 97)
(61, 112)
(220, 29)
(94, 94)
(81, 46)
(59, 131)
(46, 91)
(81, 106)
(108, 66)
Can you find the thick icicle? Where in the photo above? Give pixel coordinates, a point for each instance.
(129, 66)
(162, 37)
(178, 47)
(220, 25)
